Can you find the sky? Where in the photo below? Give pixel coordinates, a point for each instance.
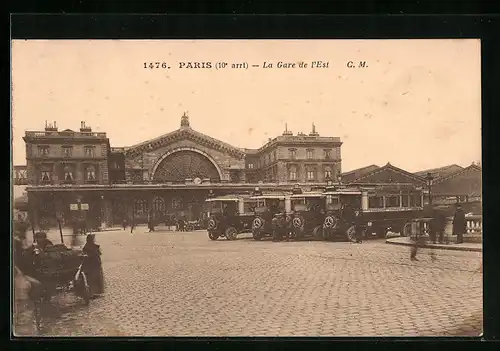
(416, 103)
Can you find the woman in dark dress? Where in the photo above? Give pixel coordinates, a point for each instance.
(93, 266)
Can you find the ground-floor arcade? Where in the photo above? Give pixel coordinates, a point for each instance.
(106, 206)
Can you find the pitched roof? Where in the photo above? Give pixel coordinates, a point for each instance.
(441, 171)
(357, 173)
(393, 168)
(184, 133)
(459, 172)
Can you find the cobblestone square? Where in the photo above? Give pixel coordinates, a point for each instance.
(183, 284)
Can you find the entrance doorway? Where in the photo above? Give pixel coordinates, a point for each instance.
(195, 211)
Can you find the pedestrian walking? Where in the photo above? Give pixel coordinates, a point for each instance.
(124, 224)
(132, 225)
(417, 237)
(151, 224)
(459, 224)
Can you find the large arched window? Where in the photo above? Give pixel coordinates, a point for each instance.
(141, 207)
(176, 203)
(185, 164)
(158, 206)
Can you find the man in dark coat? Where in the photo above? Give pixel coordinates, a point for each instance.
(358, 225)
(459, 224)
(132, 224)
(151, 224)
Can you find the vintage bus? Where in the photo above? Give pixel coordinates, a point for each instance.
(383, 208)
(229, 215)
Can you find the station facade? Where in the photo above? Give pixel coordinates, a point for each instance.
(78, 173)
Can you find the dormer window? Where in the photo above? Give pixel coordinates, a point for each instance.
(67, 151)
(43, 151)
(292, 153)
(89, 151)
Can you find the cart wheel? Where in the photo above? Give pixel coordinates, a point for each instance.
(351, 234)
(213, 235)
(231, 233)
(83, 288)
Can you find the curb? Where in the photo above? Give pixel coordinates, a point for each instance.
(439, 247)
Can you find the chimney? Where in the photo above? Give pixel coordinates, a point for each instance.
(50, 127)
(287, 132)
(84, 128)
(313, 132)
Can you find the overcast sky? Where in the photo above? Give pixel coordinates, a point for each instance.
(416, 105)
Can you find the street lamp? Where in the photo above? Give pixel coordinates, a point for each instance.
(429, 178)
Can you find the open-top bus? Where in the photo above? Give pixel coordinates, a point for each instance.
(383, 208)
(229, 215)
(267, 207)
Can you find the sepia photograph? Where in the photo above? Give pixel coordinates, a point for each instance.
(246, 188)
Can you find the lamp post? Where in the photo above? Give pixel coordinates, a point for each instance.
(103, 212)
(429, 178)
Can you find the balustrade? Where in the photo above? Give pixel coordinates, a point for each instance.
(474, 224)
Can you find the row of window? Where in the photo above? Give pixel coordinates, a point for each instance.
(141, 207)
(394, 201)
(292, 154)
(67, 151)
(68, 175)
(310, 174)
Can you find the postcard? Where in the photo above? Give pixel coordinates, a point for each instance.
(247, 188)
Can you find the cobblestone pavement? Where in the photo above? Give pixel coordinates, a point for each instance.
(183, 284)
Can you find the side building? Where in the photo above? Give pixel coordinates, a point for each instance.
(73, 174)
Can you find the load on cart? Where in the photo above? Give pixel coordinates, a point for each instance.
(51, 269)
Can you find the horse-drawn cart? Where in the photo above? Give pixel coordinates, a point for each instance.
(57, 269)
